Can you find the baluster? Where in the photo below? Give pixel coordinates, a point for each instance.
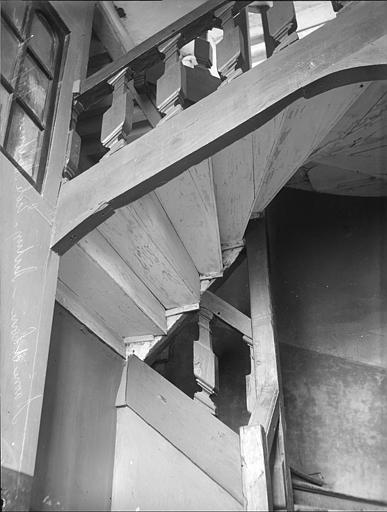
(197, 82)
(169, 84)
(117, 120)
(233, 54)
(205, 362)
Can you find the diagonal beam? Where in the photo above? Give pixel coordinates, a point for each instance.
(347, 49)
(227, 313)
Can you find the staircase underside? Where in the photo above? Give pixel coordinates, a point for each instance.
(154, 256)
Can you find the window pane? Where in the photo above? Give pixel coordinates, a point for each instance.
(33, 86)
(24, 141)
(4, 97)
(15, 11)
(9, 48)
(42, 42)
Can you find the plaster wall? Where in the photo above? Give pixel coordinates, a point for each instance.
(328, 276)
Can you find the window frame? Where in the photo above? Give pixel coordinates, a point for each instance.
(52, 22)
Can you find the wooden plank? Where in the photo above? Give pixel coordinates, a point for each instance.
(226, 312)
(100, 251)
(189, 202)
(70, 301)
(358, 140)
(234, 188)
(354, 46)
(255, 468)
(145, 238)
(206, 441)
(144, 456)
(156, 39)
(102, 295)
(293, 147)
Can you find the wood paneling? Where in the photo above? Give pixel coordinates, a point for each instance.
(76, 442)
(150, 473)
(189, 202)
(206, 441)
(145, 238)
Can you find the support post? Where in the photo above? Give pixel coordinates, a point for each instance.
(265, 354)
(205, 362)
(255, 468)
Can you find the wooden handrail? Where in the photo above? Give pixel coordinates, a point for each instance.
(144, 50)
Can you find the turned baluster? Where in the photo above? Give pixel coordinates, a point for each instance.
(169, 83)
(205, 362)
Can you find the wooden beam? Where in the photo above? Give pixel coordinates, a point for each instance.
(354, 50)
(226, 312)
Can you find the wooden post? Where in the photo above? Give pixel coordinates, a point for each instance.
(255, 468)
(117, 120)
(205, 362)
(265, 352)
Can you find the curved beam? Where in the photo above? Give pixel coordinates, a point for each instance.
(348, 49)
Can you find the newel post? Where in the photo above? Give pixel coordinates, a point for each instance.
(205, 362)
(117, 120)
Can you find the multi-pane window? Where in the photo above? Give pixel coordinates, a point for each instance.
(31, 52)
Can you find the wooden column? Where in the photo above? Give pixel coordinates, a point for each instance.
(268, 411)
(117, 120)
(205, 362)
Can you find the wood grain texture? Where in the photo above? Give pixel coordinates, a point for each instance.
(102, 295)
(234, 188)
(189, 202)
(255, 468)
(100, 250)
(354, 50)
(202, 438)
(293, 147)
(145, 238)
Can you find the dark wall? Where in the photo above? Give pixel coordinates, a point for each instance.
(328, 274)
(77, 436)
